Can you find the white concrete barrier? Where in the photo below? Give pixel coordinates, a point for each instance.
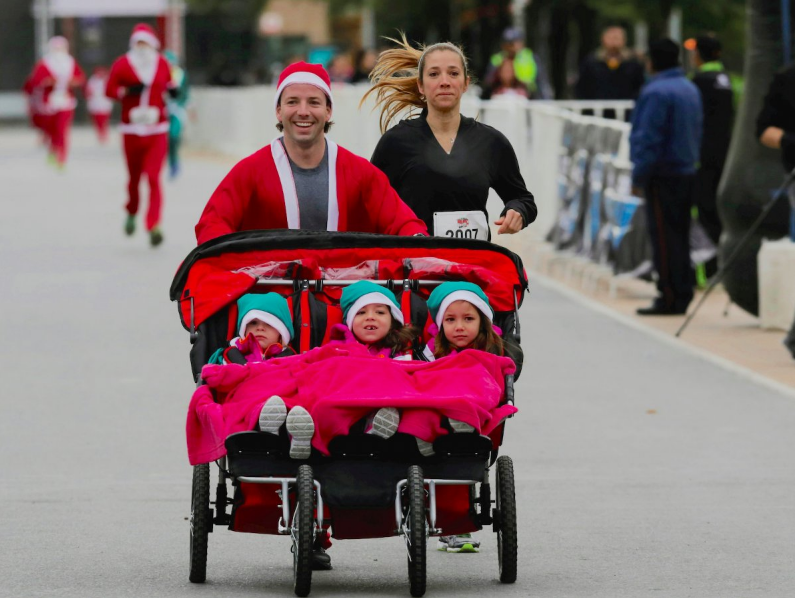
(776, 263)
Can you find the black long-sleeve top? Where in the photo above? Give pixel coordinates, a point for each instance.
(430, 180)
(778, 110)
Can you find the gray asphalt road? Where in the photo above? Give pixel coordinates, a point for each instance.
(641, 470)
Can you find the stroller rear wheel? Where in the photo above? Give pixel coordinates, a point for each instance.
(416, 530)
(303, 531)
(201, 521)
(505, 520)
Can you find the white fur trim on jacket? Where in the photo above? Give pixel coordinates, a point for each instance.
(268, 319)
(303, 77)
(369, 299)
(468, 296)
(291, 206)
(145, 36)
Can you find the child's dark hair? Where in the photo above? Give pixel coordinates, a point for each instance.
(399, 338)
(486, 340)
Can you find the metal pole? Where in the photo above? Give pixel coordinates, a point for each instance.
(41, 12)
(780, 192)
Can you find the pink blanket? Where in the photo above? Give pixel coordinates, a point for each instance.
(339, 385)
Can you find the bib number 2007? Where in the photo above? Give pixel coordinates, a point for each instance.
(466, 233)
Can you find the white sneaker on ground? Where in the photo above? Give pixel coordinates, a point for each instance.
(273, 415)
(301, 428)
(459, 543)
(383, 423)
(459, 426)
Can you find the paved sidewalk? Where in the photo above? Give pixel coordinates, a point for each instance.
(725, 332)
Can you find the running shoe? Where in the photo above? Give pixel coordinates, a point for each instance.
(301, 428)
(459, 426)
(155, 236)
(273, 415)
(425, 447)
(129, 225)
(383, 423)
(459, 543)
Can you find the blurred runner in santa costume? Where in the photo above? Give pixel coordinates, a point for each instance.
(50, 86)
(99, 105)
(140, 79)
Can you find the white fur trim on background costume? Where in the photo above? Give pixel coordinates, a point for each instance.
(303, 77)
(282, 162)
(469, 296)
(145, 36)
(370, 299)
(268, 319)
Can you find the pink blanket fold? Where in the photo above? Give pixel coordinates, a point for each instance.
(341, 384)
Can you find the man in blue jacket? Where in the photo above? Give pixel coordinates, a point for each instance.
(664, 147)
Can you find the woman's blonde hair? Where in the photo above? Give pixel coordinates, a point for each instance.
(396, 74)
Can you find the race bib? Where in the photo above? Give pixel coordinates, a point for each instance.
(461, 225)
(144, 115)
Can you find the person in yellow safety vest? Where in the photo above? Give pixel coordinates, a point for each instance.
(525, 65)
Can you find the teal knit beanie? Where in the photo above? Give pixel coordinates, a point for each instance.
(270, 308)
(363, 293)
(448, 292)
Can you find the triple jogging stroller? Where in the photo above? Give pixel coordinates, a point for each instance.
(368, 487)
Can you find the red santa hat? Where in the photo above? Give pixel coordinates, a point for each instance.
(304, 72)
(144, 33)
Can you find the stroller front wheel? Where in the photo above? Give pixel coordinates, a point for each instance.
(505, 523)
(201, 521)
(302, 531)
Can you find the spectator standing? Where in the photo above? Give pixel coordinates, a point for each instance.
(717, 98)
(664, 148)
(340, 69)
(527, 69)
(505, 84)
(99, 105)
(139, 80)
(612, 72)
(775, 128)
(365, 62)
(52, 84)
(177, 106)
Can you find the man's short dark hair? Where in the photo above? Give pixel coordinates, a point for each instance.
(664, 54)
(708, 47)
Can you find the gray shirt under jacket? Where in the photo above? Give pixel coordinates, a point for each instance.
(311, 187)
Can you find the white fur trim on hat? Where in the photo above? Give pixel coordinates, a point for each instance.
(303, 77)
(467, 296)
(370, 299)
(268, 319)
(145, 36)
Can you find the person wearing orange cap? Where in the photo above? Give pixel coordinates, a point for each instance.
(302, 179)
(139, 80)
(51, 86)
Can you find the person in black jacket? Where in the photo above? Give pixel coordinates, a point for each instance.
(775, 128)
(612, 72)
(717, 99)
(442, 163)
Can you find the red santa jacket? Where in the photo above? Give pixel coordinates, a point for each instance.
(51, 84)
(145, 113)
(259, 193)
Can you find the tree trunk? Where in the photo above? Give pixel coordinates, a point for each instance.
(752, 171)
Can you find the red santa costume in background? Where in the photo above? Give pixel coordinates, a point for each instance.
(139, 79)
(53, 103)
(99, 105)
(259, 192)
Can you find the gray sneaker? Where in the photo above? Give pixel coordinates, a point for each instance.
(301, 428)
(459, 543)
(273, 415)
(383, 423)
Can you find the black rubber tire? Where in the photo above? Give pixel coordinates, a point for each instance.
(505, 520)
(201, 521)
(302, 529)
(417, 539)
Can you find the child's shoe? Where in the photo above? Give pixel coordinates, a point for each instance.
(459, 426)
(301, 428)
(425, 447)
(383, 423)
(273, 415)
(459, 543)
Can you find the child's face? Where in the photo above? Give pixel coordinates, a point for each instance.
(265, 334)
(371, 323)
(461, 324)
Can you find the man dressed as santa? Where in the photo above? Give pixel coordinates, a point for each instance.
(303, 180)
(99, 105)
(53, 103)
(140, 79)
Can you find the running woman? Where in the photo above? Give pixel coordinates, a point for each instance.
(442, 163)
